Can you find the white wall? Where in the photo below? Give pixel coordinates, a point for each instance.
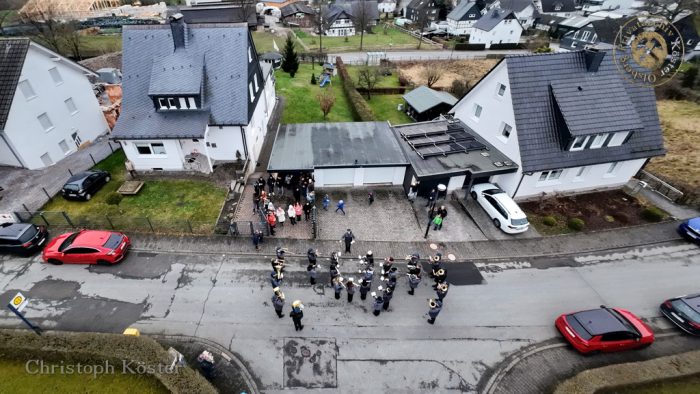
(461, 28)
(360, 176)
(23, 128)
(228, 139)
(7, 158)
(593, 177)
(456, 182)
(172, 160)
(503, 33)
(526, 17)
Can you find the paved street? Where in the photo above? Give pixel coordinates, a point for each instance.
(225, 299)
(359, 57)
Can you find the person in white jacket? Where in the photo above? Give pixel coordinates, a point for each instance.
(292, 215)
(280, 216)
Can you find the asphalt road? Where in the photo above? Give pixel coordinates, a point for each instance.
(416, 55)
(227, 299)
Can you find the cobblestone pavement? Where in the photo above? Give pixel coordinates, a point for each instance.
(458, 226)
(287, 230)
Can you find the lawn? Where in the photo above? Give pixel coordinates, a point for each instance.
(263, 41)
(167, 203)
(92, 46)
(384, 107)
(301, 103)
(377, 41)
(14, 378)
(385, 81)
(680, 121)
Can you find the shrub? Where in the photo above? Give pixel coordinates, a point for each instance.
(652, 214)
(549, 220)
(609, 218)
(575, 224)
(114, 198)
(403, 81)
(313, 79)
(357, 102)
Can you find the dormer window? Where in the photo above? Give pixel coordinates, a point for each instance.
(176, 103)
(579, 143)
(193, 104)
(163, 103)
(599, 140)
(171, 103)
(250, 55)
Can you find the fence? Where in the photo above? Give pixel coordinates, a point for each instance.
(62, 220)
(314, 223)
(660, 186)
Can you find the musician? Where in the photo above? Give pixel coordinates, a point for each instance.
(275, 279)
(440, 277)
(441, 290)
(312, 255)
(350, 287)
(435, 308)
(338, 286)
(367, 274)
(388, 295)
(386, 265)
(378, 301)
(278, 301)
(435, 263)
(369, 259)
(413, 282)
(311, 269)
(364, 289)
(334, 273)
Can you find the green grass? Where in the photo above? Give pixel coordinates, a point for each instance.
(263, 41)
(394, 39)
(388, 81)
(165, 201)
(301, 103)
(384, 107)
(15, 379)
(100, 44)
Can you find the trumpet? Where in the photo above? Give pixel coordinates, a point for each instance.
(278, 272)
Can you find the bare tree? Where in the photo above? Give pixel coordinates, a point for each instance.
(367, 78)
(670, 9)
(431, 73)
(362, 15)
(247, 9)
(326, 99)
(422, 21)
(47, 28)
(459, 88)
(320, 22)
(72, 39)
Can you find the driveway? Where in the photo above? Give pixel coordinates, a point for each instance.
(485, 224)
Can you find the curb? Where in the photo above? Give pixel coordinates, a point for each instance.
(247, 376)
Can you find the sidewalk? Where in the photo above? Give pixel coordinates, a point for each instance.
(463, 251)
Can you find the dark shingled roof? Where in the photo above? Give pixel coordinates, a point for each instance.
(176, 73)
(305, 146)
(462, 11)
(541, 148)
(686, 27)
(564, 5)
(423, 98)
(607, 29)
(295, 8)
(515, 5)
(220, 14)
(335, 10)
(222, 48)
(492, 18)
(12, 54)
(578, 99)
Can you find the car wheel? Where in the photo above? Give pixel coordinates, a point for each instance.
(592, 353)
(103, 262)
(107, 179)
(497, 223)
(88, 197)
(55, 262)
(474, 195)
(646, 345)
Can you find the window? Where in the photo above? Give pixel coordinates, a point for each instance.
(585, 35)
(45, 122)
(27, 91)
(76, 138)
(64, 146)
(501, 89)
(492, 201)
(580, 172)
(257, 87)
(193, 105)
(46, 159)
(579, 143)
(158, 148)
(472, 15)
(612, 168)
(71, 106)
(143, 149)
(250, 55)
(162, 103)
(573, 44)
(155, 148)
(576, 34)
(183, 102)
(477, 111)
(506, 130)
(599, 140)
(250, 90)
(550, 175)
(171, 103)
(595, 38)
(56, 76)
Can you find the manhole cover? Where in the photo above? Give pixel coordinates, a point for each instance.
(305, 352)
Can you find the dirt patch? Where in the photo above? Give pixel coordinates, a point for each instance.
(465, 70)
(601, 210)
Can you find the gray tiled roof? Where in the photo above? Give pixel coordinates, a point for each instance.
(562, 5)
(221, 46)
(515, 5)
(492, 18)
(338, 7)
(461, 12)
(423, 98)
(12, 54)
(294, 8)
(220, 14)
(305, 146)
(608, 28)
(577, 99)
(177, 73)
(541, 148)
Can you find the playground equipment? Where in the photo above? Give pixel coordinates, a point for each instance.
(326, 74)
(325, 79)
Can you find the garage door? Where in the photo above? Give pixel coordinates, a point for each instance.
(338, 176)
(379, 175)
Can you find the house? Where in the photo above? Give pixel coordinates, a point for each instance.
(570, 121)
(425, 11)
(386, 6)
(195, 96)
(340, 17)
(48, 108)
(424, 103)
(272, 58)
(340, 154)
(446, 151)
(497, 26)
(548, 23)
(524, 10)
(599, 33)
(461, 19)
(221, 14)
(687, 28)
(565, 8)
(623, 7)
(298, 14)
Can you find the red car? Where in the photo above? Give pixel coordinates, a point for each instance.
(87, 247)
(604, 330)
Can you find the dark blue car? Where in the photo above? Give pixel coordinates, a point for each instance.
(690, 229)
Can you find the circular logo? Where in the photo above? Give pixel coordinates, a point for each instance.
(17, 300)
(648, 51)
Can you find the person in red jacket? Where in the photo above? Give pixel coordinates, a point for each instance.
(272, 221)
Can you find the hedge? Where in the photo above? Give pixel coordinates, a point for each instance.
(506, 46)
(653, 214)
(469, 47)
(357, 102)
(576, 224)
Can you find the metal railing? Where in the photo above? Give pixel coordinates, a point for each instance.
(659, 186)
(314, 223)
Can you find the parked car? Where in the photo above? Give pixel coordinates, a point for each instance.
(690, 229)
(604, 330)
(87, 247)
(684, 312)
(22, 238)
(85, 184)
(502, 210)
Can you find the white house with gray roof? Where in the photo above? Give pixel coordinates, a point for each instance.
(570, 120)
(497, 26)
(461, 19)
(48, 109)
(524, 10)
(195, 95)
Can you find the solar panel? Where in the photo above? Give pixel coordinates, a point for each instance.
(442, 142)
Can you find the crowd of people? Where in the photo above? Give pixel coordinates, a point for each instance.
(387, 282)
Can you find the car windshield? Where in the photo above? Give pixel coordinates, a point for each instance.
(113, 241)
(71, 186)
(629, 326)
(683, 307)
(578, 327)
(68, 242)
(519, 222)
(493, 191)
(28, 234)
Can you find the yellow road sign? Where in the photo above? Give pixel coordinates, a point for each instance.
(19, 301)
